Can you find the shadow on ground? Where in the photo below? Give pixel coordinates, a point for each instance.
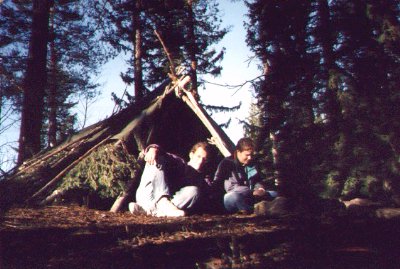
(75, 237)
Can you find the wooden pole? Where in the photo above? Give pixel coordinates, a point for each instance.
(220, 139)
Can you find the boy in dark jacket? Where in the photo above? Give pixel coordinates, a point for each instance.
(241, 181)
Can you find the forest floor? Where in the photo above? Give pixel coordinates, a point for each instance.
(78, 237)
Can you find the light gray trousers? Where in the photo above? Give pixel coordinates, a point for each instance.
(153, 186)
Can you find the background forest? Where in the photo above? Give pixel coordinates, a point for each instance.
(326, 118)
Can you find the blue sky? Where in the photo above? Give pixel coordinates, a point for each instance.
(236, 70)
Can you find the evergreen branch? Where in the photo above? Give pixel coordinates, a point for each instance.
(226, 124)
(8, 76)
(222, 108)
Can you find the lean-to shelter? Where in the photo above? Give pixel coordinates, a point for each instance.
(103, 161)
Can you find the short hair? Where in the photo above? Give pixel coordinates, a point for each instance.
(245, 143)
(202, 144)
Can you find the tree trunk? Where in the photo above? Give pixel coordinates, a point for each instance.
(52, 93)
(137, 43)
(34, 82)
(272, 111)
(192, 46)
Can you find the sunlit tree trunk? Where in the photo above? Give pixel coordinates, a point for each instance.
(192, 45)
(52, 86)
(137, 30)
(273, 118)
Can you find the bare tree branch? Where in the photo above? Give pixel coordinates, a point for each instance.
(237, 86)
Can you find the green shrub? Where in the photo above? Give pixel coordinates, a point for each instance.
(105, 172)
(351, 188)
(330, 186)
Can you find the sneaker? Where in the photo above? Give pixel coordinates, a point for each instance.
(136, 209)
(165, 208)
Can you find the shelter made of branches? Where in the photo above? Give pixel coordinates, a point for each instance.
(104, 160)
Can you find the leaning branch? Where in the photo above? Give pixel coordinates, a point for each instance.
(168, 54)
(219, 139)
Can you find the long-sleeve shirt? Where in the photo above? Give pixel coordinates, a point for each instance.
(178, 173)
(232, 175)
